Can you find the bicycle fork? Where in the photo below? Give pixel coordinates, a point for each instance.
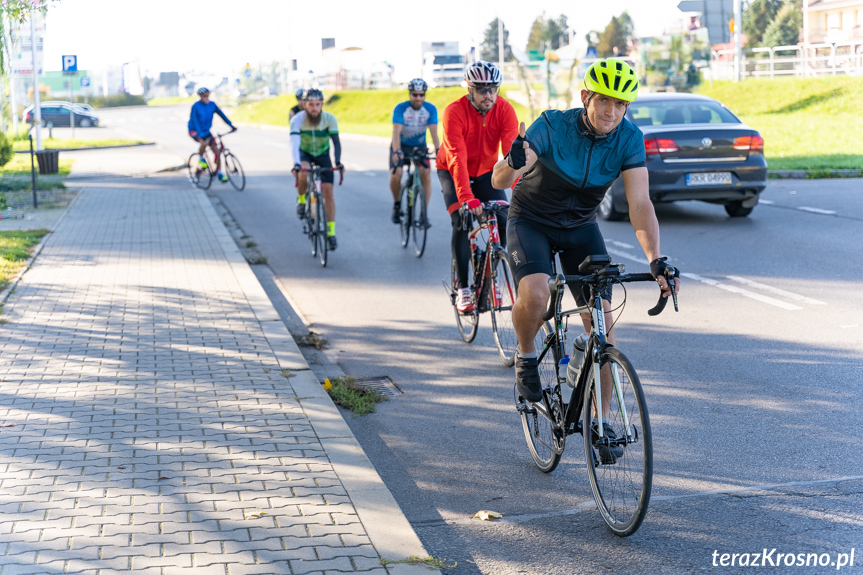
(599, 323)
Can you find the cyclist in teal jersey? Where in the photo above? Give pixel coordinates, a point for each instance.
(566, 161)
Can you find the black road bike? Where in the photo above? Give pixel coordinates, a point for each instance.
(412, 199)
(619, 456)
(315, 217)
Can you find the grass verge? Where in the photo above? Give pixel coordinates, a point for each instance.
(348, 394)
(807, 123)
(61, 144)
(172, 101)
(15, 250)
(367, 112)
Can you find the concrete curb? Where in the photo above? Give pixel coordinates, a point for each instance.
(94, 148)
(388, 529)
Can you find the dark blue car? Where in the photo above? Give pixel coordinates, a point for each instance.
(696, 150)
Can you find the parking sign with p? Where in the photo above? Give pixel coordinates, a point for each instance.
(70, 63)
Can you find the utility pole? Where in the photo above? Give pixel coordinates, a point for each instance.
(500, 43)
(37, 105)
(738, 52)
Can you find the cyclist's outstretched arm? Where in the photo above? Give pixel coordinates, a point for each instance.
(223, 116)
(337, 149)
(643, 218)
(296, 122)
(435, 139)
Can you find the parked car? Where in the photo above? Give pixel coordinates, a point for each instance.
(697, 149)
(57, 113)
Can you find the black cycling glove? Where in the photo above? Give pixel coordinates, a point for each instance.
(658, 267)
(517, 157)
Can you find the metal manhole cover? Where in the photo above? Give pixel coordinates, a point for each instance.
(383, 384)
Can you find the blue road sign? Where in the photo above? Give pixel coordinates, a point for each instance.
(70, 63)
(85, 82)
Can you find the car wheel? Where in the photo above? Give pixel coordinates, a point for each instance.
(607, 211)
(736, 210)
(85, 123)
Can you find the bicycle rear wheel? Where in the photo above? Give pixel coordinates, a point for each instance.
(418, 218)
(405, 214)
(321, 231)
(312, 218)
(467, 322)
(501, 299)
(234, 171)
(621, 468)
(200, 177)
(542, 428)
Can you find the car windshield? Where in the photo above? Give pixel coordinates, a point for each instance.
(664, 112)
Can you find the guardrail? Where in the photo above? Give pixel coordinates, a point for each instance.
(845, 58)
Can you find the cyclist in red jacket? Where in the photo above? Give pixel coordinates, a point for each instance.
(476, 127)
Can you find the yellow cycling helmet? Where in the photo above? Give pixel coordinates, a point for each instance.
(612, 77)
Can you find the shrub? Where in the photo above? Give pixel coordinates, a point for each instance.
(6, 152)
(114, 100)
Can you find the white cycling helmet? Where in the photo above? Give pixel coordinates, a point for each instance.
(203, 90)
(417, 85)
(482, 74)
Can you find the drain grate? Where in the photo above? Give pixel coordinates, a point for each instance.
(382, 384)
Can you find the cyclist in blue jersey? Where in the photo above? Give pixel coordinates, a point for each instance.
(566, 161)
(200, 124)
(411, 119)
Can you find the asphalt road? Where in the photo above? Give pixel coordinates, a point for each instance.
(753, 388)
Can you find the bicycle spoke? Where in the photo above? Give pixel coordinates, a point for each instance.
(502, 298)
(541, 428)
(620, 464)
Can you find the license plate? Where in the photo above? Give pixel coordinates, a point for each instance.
(708, 179)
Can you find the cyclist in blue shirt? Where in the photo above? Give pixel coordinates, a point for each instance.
(200, 124)
(411, 119)
(566, 161)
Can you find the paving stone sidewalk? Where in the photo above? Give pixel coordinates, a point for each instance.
(146, 425)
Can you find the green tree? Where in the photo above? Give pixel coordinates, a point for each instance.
(551, 33)
(784, 30)
(489, 48)
(612, 37)
(12, 13)
(756, 18)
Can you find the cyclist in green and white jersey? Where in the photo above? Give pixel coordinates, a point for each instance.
(311, 132)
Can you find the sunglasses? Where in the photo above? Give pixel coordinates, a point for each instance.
(418, 94)
(484, 91)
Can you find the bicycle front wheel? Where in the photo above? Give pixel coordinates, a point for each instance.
(405, 214)
(312, 218)
(542, 422)
(418, 217)
(200, 177)
(620, 464)
(467, 322)
(321, 231)
(500, 301)
(234, 171)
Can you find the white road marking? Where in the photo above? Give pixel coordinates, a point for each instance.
(743, 292)
(767, 202)
(777, 291)
(278, 145)
(627, 255)
(622, 245)
(849, 326)
(816, 210)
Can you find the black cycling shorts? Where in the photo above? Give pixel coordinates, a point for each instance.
(407, 150)
(480, 186)
(323, 161)
(530, 245)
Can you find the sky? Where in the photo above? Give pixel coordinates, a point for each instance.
(221, 36)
